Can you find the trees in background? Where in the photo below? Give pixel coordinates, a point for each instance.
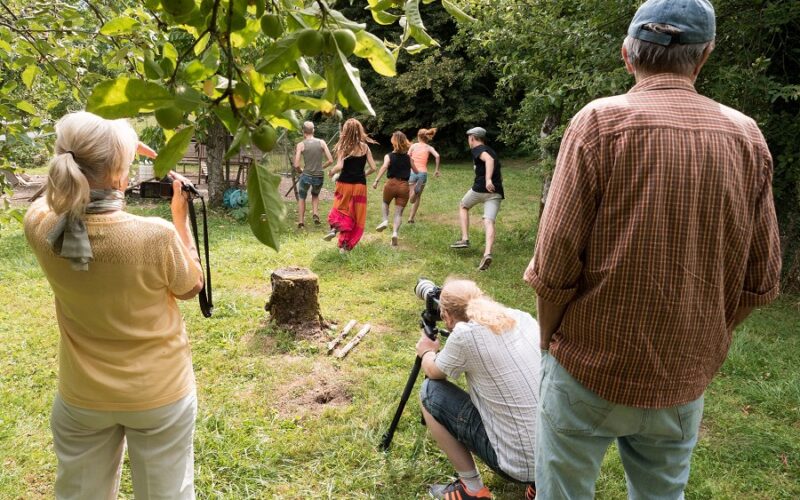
(251, 65)
(562, 54)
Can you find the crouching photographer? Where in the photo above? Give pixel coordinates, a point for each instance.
(125, 369)
(496, 348)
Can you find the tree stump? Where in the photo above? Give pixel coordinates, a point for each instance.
(294, 300)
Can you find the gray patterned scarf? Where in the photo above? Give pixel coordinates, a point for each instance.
(69, 237)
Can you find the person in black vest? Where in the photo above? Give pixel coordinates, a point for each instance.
(487, 189)
(398, 167)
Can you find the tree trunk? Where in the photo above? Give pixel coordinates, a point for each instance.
(294, 301)
(549, 152)
(217, 144)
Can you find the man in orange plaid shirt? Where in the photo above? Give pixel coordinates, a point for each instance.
(658, 237)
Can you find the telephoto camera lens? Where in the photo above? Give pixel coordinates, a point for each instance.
(423, 288)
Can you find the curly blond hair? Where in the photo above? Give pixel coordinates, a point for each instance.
(464, 301)
(352, 139)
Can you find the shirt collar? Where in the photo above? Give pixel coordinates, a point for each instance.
(664, 81)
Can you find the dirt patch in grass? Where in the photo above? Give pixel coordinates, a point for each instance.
(310, 394)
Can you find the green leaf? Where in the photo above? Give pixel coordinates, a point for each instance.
(379, 14)
(122, 25)
(171, 154)
(241, 138)
(344, 85)
(294, 84)
(458, 14)
(370, 47)
(26, 107)
(125, 97)
(414, 26)
(29, 75)
(196, 71)
(276, 102)
(279, 55)
(267, 209)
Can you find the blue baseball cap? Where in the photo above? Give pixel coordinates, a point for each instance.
(694, 18)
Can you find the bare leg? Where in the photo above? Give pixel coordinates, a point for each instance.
(301, 211)
(385, 211)
(314, 205)
(414, 207)
(489, 226)
(464, 218)
(456, 452)
(398, 215)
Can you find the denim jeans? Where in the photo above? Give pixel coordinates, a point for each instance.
(576, 426)
(451, 406)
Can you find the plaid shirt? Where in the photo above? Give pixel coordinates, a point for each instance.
(659, 223)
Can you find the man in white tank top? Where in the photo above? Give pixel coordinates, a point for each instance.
(312, 176)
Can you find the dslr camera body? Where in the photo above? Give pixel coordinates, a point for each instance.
(162, 189)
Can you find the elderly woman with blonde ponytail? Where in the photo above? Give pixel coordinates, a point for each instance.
(496, 348)
(125, 370)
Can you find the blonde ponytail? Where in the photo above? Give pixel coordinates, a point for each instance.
(490, 314)
(67, 187)
(464, 301)
(90, 152)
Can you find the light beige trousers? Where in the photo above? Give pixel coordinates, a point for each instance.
(89, 446)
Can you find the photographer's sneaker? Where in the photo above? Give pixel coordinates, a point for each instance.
(486, 261)
(457, 491)
(331, 235)
(383, 225)
(460, 244)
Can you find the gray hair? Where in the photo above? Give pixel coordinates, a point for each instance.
(308, 127)
(652, 58)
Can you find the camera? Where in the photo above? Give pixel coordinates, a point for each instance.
(162, 189)
(427, 291)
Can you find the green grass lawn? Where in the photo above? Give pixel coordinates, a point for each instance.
(280, 419)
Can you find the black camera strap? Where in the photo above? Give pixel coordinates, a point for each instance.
(206, 301)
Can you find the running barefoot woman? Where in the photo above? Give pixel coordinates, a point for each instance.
(420, 152)
(349, 211)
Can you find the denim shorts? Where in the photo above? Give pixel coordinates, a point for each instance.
(451, 406)
(307, 181)
(419, 180)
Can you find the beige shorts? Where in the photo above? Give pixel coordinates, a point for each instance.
(491, 203)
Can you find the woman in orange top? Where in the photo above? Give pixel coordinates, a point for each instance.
(420, 152)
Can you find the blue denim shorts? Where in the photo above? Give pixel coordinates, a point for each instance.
(307, 181)
(451, 406)
(419, 180)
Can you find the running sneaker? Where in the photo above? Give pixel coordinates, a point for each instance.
(300, 225)
(394, 240)
(460, 244)
(457, 491)
(411, 221)
(315, 217)
(486, 261)
(383, 225)
(530, 492)
(331, 235)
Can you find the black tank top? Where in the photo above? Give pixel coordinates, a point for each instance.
(353, 170)
(399, 166)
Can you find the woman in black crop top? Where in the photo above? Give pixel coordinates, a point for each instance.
(399, 167)
(349, 211)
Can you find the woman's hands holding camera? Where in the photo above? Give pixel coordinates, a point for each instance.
(180, 198)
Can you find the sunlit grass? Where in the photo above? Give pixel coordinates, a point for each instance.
(258, 437)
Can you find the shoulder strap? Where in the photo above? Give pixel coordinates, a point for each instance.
(205, 298)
